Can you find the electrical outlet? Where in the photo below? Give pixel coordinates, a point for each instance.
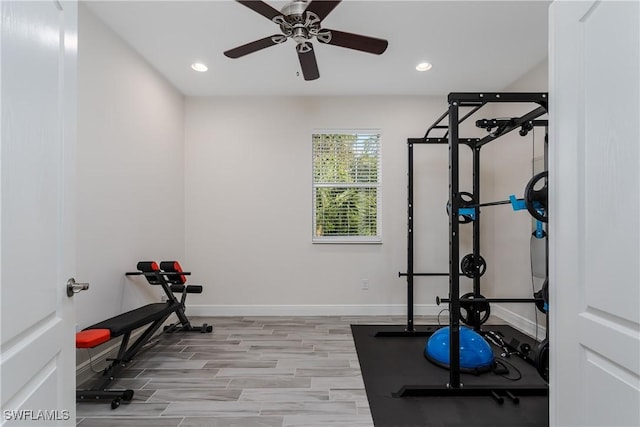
(365, 284)
(163, 298)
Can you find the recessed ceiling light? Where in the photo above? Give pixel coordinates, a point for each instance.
(423, 66)
(197, 66)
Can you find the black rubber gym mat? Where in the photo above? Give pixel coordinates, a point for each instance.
(389, 363)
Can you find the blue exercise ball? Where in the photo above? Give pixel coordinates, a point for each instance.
(475, 352)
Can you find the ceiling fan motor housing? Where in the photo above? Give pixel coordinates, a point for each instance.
(297, 23)
(295, 8)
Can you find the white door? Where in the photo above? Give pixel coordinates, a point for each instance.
(595, 213)
(38, 79)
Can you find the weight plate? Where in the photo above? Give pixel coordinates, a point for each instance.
(536, 200)
(469, 267)
(474, 313)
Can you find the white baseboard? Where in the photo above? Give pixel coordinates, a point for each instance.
(519, 322)
(312, 310)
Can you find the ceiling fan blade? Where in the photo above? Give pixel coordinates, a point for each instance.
(356, 41)
(308, 61)
(262, 8)
(255, 46)
(322, 7)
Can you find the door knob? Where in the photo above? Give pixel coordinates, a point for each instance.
(73, 287)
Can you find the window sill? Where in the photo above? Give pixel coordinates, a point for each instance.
(346, 240)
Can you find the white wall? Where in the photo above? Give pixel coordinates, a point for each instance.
(130, 172)
(248, 200)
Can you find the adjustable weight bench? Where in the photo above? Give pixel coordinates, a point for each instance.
(176, 278)
(172, 279)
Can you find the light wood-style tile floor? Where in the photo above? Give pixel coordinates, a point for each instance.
(251, 371)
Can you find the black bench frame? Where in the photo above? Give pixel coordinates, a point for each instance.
(153, 315)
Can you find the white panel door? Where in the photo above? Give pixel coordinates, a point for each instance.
(38, 84)
(595, 213)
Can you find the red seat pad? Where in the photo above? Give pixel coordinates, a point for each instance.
(92, 337)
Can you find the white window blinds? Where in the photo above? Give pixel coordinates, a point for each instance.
(346, 187)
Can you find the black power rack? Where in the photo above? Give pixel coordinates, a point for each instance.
(452, 138)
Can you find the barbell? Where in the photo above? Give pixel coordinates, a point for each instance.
(535, 201)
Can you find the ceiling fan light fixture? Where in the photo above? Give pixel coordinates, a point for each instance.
(423, 66)
(199, 67)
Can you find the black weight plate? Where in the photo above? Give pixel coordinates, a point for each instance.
(542, 359)
(474, 313)
(533, 197)
(469, 268)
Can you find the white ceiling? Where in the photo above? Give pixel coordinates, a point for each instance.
(473, 46)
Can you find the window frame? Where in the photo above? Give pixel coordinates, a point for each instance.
(377, 239)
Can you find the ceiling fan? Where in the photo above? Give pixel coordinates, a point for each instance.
(301, 21)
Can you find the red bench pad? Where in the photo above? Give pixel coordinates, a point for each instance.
(92, 337)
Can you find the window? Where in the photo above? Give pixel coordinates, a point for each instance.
(346, 187)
